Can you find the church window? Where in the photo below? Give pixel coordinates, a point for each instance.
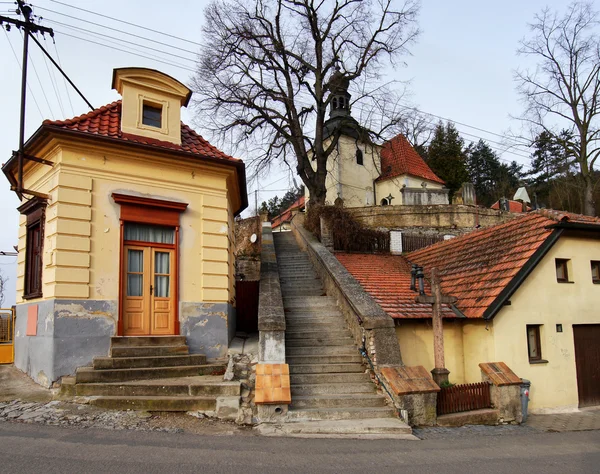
(359, 156)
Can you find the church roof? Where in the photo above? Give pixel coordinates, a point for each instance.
(398, 157)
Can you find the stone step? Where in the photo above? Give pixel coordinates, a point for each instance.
(369, 428)
(303, 292)
(315, 284)
(320, 324)
(338, 401)
(90, 375)
(311, 379)
(317, 342)
(332, 388)
(291, 276)
(307, 351)
(311, 302)
(324, 359)
(326, 312)
(309, 414)
(101, 363)
(308, 334)
(486, 416)
(179, 387)
(327, 368)
(147, 341)
(148, 351)
(156, 403)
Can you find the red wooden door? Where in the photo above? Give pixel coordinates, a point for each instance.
(587, 360)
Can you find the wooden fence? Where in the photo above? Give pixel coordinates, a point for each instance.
(466, 397)
(412, 242)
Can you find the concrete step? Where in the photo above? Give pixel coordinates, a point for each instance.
(338, 401)
(178, 387)
(311, 379)
(303, 292)
(308, 351)
(307, 334)
(310, 303)
(147, 341)
(156, 403)
(332, 388)
(313, 284)
(487, 416)
(326, 368)
(310, 414)
(324, 359)
(148, 351)
(101, 363)
(294, 276)
(323, 312)
(90, 375)
(317, 342)
(374, 428)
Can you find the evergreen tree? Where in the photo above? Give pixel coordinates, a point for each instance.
(447, 157)
(276, 206)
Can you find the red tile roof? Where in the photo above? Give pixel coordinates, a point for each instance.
(106, 122)
(513, 206)
(476, 267)
(286, 215)
(387, 279)
(398, 157)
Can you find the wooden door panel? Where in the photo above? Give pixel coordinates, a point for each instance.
(587, 361)
(136, 304)
(162, 318)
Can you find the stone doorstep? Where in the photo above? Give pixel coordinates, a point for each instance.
(487, 416)
(318, 414)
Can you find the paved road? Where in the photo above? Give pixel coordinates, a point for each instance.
(47, 449)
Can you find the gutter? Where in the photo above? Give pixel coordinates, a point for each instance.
(520, 277)
(48, 129)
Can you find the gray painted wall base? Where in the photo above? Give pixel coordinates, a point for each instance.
(208, 327)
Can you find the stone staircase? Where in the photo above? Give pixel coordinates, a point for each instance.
(329, 382)
(154, 373)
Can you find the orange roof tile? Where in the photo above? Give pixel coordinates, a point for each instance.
(286, 215)
(106, 122)
(478, 266)
(398, 157)
(387, 279)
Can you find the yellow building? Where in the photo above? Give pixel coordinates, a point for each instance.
(362, 173)
(130, 231)
(528, 295)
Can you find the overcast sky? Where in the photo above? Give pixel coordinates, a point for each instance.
(461, 69)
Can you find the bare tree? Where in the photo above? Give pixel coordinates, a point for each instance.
(3, 282)
(562, 92)
(266, 72)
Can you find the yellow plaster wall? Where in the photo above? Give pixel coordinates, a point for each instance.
(542, 300)
(82, 236)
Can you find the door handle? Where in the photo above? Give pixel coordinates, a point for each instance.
(151, 288)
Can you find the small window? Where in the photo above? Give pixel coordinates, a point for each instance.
(534, 346)
(359, 156)
(35, 210)
(152, 116)
(385, 202)
(595, 272)
(562, 270)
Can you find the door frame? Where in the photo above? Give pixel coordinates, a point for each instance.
(151, 211)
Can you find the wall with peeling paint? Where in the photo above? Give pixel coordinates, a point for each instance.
(208, 327)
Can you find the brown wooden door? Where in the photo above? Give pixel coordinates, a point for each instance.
(148, 296)
(587, 360)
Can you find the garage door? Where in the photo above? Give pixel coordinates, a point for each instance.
(587, 359)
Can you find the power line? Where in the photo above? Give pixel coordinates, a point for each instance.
(64, 80)
(127, 23)
(54, 86)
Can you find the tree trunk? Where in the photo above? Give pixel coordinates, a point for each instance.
(589, 204)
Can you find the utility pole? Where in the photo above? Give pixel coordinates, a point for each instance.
(256, 201)
(440, 372)
(29, 27)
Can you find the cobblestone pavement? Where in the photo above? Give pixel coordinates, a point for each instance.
(584, 420)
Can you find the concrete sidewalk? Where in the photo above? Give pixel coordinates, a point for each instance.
(584, 420)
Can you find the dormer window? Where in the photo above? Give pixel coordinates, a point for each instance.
(152, 115)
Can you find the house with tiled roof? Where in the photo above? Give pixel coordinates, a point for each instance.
(527, 294)
(126, 230)
(282, 221)
(363, 173)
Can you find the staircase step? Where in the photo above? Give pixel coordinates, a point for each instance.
(156, 403)
(323, 340)
(101, 363)
(148, 351)
(305, 379)
(303, 292)
(338, 401)
(332, 388)
(321, 350)
(326, 368)
(308, 334)
(369, 428)
(309, 414)
(324, 359)
(147, 341)
(90, 375)
(178, 387)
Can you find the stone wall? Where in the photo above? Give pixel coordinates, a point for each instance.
(247, 253)
(451, 219)
(424, 196)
